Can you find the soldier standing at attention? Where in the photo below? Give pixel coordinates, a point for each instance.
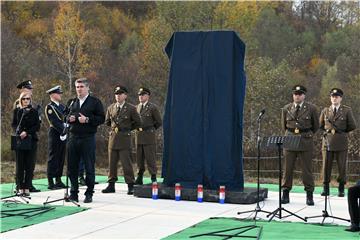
(122, 118)
(337, 121)
(146, 137)
(299, 118)
(54, 113)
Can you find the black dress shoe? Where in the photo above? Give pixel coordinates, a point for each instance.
(88, 199)
(285, 199)
(353, 228)
(130, 189)
(309, 199)
(33, 189)
(73, 198)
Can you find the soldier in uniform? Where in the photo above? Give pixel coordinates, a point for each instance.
(146, 138)
(27, 87)
(54, 112)
(122, 118)
(337, 121)
(299, 118)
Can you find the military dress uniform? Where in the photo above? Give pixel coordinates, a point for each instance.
(54, 113)
(122, 120)
(337, 123)
(300, 120)
(146, 138)
(27, 86)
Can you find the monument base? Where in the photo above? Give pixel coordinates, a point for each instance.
(248, 196)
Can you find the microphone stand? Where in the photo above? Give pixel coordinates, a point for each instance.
(325, 213)
(257, 208)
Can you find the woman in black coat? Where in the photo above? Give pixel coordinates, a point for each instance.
(25, 124)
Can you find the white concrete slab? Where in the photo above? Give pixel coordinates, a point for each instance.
(119, 216)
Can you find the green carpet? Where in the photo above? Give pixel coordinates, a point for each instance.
(271, 230)
(15, 222)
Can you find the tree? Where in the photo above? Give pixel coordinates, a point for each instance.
(67, 42)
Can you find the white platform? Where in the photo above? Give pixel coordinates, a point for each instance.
(119, 216)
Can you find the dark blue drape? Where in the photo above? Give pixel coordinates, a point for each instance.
(203, 118)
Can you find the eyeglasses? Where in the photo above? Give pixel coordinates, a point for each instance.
(27, 98)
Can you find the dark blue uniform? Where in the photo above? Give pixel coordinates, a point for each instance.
(55, 115)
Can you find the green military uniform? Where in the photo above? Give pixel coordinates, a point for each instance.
(146, 138)
(299, 120)
(337, 126)
(122, 121)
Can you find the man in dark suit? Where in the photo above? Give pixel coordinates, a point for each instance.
(122, 118)
(146, 137)
(337, 121)
(299, 118)
(354, 207)
(54, 113)
(86, 113)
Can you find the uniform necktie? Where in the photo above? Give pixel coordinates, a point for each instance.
(334, 111)
(142, 107)
(297, 110)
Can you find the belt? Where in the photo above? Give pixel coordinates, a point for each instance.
(123, 130)
(148, 128)
(304, 130)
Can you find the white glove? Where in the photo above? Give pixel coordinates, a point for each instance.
(63, 137)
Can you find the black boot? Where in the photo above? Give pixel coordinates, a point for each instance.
(341, 189)
(139, 180)
(51, 184)
(353, 228)
(309, 199)
(326, 190)
(59, 183)
(153, 178)
(285, 197)
(33, 189)
(130, 189)
(110, 188)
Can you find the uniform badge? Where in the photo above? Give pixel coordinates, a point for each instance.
(116, 130)
(50, 111)
(333, 131)
(296, 131)
(298, 88)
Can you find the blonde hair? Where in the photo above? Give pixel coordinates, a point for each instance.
(24, 94)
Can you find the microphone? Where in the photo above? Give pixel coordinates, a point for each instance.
(63, 135)
(261, 114)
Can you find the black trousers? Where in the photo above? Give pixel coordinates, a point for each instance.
(354, 206)
(81, 148)
(56, 158)
(25, 160)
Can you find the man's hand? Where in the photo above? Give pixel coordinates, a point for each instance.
(23, 135)
(72, 118)
(82, 118)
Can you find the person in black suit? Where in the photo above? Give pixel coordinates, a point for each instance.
(354, 208)
(86, 113)
(54, 113)
(25, 123)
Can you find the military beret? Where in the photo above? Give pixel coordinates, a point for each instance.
(56, 89)
(144, 90)
(299, 89)
(120, 90)
(336, 92)
(26, 84)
